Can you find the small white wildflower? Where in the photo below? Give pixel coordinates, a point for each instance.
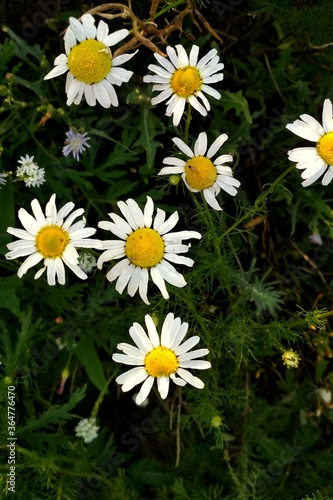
(29, 172)
(87, 429)
(76, 143)
(87, 262)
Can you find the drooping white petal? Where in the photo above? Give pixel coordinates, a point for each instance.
(144, 391)
(163, 386)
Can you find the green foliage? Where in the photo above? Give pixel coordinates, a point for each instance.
(258, 287)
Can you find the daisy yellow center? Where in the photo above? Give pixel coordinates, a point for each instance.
(325, 148)
(186, 81)
(161, 362)
(51, 241)
(89, 61)
(200, 173)
(144, 247)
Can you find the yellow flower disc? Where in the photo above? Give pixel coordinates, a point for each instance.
(51, 241)
(90, 61)
(291, 359)
(200, 173)
(144, 247)
(160, 362)
(186, 81)
(325, 148)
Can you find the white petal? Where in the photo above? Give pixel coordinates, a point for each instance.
(180, 335)
(211, 200)
(115, 37)
(128, 214)
(200, 146)
(327, 177)
(117, 270)
(20, 233)
(140, 338)
(169, 223)
(159, 219)
(167, 328)
(60, 271)
(194, 55)
(165, 63)
(187, 345)
(163, 386)
(136, 213)
(134, 282)
(77, 28)
(143, 285)
(51, 271)
(102, 31)
(88, 23)
(31, 261)
(190, 379)
(135, 379)
(169, 273)
(182, 56)
(177, 162)
(178, 259)
(124, 278)
(183, 147)
(120, 222)
(303, 130)
(327, 117)
(145, 390)
(138, 373)
(127, 359)
(193, 354)
(172, 56)
(28, 222)
(131, 350)
(148, 212)
(159, 281)
(217, 144)
(196, 105)
(196, 364)
(152, 332)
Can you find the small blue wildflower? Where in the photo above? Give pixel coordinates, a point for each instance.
(316, 239)
(76, 143)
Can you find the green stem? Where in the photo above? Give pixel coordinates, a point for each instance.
(188, 121)
(100, 397)
(259, 202)
(168, 8)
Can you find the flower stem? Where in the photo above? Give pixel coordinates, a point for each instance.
(188, 121)
(260, 202)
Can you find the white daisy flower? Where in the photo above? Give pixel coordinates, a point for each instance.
(162, 357)
(52, 238)
(76, 144)
(88, 59)
(200, 173)
(183, 78)
(147, 247)
(87, 429)
(317, 160)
